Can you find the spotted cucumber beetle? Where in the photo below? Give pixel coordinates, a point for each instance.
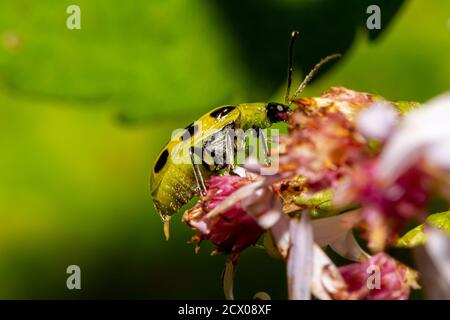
(174, 184)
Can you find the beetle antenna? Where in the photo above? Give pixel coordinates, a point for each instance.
(311, 74)
(294, 35)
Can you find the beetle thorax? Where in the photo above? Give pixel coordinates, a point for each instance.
(253, 115)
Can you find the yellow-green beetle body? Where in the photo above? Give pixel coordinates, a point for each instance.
(173, 183)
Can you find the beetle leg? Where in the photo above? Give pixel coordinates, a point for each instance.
(229, 151)
(265, 145)
(198, 175)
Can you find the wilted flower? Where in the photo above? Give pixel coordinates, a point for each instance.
(321, 144)
(379, 278)
(395, 187)
(332, 178)
(385, 209)
(233, 230)
(324, 143)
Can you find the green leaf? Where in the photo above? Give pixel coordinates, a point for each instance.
(174, 58)
(417, 236)
(406, 106)
(321, 204)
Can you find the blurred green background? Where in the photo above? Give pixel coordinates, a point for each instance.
(83, 114)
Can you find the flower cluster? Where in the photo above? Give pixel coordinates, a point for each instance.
(394, 285)
(232, 231)
(350, 160)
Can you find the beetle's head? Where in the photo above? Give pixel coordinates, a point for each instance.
(277, 112)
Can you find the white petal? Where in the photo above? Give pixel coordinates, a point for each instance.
(240, 171)
(347, 247)
(235, 197)
(243, 193)
(433, 261)
(201, 226)
(252, 164)
(377, 121)
(439, 154)
(300, 258)
(264, 206)
(438, 247)
(281, 236)
(268, 219)
(326, 276)
(421, 129)
(262, 296)
(228, 280)
(327, 230)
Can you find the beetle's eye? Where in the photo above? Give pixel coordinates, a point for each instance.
(280, 108)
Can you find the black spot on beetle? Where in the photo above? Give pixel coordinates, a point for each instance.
(191, 130)
(162, 160)
(221, 112)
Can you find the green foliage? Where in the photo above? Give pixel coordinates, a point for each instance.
(172, 58)
(321, 204)
(417, 236)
